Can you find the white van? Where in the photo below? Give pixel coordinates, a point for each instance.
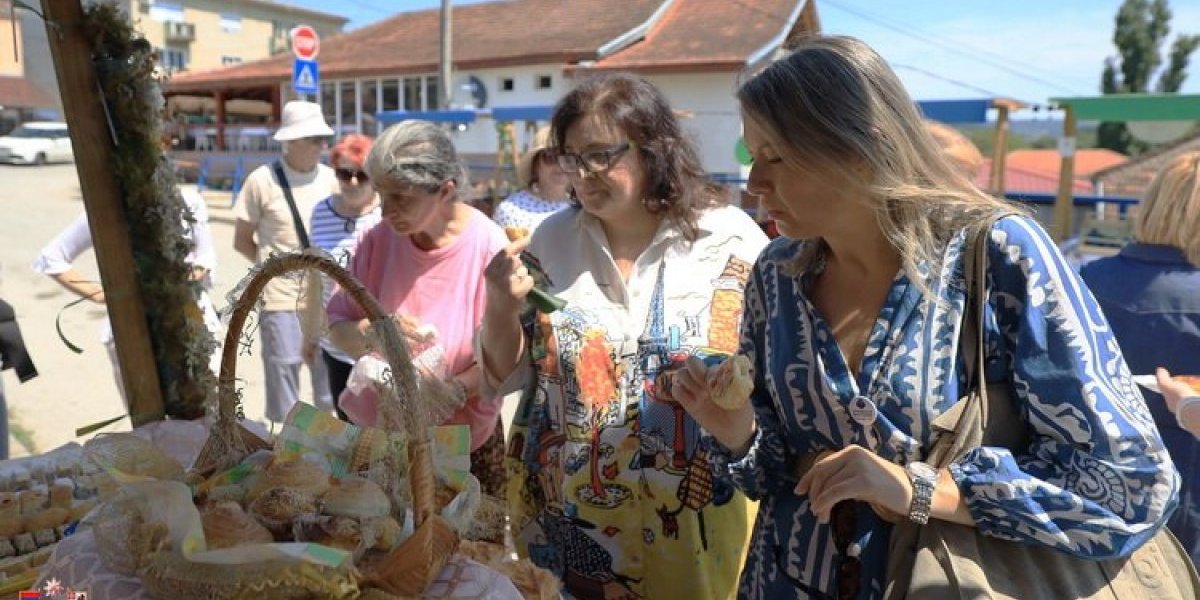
(37, 143)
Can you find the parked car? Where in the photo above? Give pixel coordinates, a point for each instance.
(37, 143)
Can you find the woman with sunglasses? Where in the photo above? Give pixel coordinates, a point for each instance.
(544, 187)
(424, 262)
(337, 222)
(611, 487)
(853, 322)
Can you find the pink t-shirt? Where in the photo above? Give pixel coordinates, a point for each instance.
(443, 288)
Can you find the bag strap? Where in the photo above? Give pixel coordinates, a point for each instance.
(287, 193)
(963, 424)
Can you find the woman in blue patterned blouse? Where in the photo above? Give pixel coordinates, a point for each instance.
(852, 323)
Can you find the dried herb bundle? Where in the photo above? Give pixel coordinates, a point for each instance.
(155, 210)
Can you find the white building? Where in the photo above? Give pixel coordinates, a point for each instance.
(694, 50)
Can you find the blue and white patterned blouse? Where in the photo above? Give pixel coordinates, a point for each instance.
(1096, 480)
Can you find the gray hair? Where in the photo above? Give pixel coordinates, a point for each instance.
(417, 153)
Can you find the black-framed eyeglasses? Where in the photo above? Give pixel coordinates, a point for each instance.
(592, 161)
(348, 174)
(843, 520)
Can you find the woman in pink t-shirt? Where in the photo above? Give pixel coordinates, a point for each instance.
(425, 263)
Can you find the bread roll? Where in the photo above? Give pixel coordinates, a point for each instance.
(732, 383)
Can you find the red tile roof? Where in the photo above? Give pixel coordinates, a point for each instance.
(688, 34)
(1087, 160)
(1018, 179)
(1132, 177)
(485, 35)
(19, 92)
(707, 35)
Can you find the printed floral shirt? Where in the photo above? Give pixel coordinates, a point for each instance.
(1096, 480)
(610, 486)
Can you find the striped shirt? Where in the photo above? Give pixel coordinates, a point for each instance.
(338, 236)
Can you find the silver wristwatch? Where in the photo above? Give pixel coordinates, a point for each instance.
(924, 479)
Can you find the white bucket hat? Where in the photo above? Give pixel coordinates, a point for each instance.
(301, 120)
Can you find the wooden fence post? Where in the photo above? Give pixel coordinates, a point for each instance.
(83, 106)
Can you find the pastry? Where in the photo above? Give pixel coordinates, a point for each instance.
(382, 533)
(24, 543)
(226, 525)
(356, 497)
(11, 522)
(300, 475)
(44, 537)
(516, 233)
(732, 383)
(47, 519)
(276, 508)
(6, 548)
(34, 499)
(61, 492)
(336, 532)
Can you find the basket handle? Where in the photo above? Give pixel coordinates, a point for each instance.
(395, 349)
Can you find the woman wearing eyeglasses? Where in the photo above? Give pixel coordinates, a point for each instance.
(424, 262)
(545, 187)
(610, 484)
(337, 222)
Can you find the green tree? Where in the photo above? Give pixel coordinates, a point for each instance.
(1141, 28)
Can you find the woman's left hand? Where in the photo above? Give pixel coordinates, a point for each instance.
(855, 473)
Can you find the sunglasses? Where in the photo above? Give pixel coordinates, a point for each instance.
(348, 174)
(592, 161)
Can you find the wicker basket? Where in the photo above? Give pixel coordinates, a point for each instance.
(411, 567)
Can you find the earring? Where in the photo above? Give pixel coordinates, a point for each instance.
(655, 204)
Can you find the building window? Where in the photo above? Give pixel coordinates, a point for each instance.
(368, 99)
(281, 40)
(230, 60)
(391, 95)
(166, 12)
(412, 93)
(231, 22)
(507, 84)
(544, 82)
(329, 102)
(348, 121)
(173, 59)
(433, 100)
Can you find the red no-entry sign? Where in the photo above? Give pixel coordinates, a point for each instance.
(305, 42)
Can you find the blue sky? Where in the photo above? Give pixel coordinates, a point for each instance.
(1030, 50)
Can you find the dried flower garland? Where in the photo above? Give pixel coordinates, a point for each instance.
(155, 211)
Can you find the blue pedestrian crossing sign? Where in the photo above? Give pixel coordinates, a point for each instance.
(306, 78)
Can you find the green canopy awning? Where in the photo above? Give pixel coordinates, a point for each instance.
(1134, 107)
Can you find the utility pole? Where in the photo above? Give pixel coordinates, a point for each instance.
(446, 64)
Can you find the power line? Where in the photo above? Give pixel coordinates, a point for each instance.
(962, 84)
(956, 48)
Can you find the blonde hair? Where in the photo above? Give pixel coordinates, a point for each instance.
(1170, 213)
(962, 152)
(833, 106)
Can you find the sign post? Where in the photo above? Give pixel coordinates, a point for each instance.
(306, 44)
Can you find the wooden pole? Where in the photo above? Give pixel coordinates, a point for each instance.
(447, 66)
(996, 181)
(1064, 203)
(221, 120)
(93, 145)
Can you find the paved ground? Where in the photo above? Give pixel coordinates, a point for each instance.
(74, 390)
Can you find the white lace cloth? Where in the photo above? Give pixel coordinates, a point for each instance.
(76, 565)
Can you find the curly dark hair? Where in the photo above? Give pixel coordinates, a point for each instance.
(676, 184)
